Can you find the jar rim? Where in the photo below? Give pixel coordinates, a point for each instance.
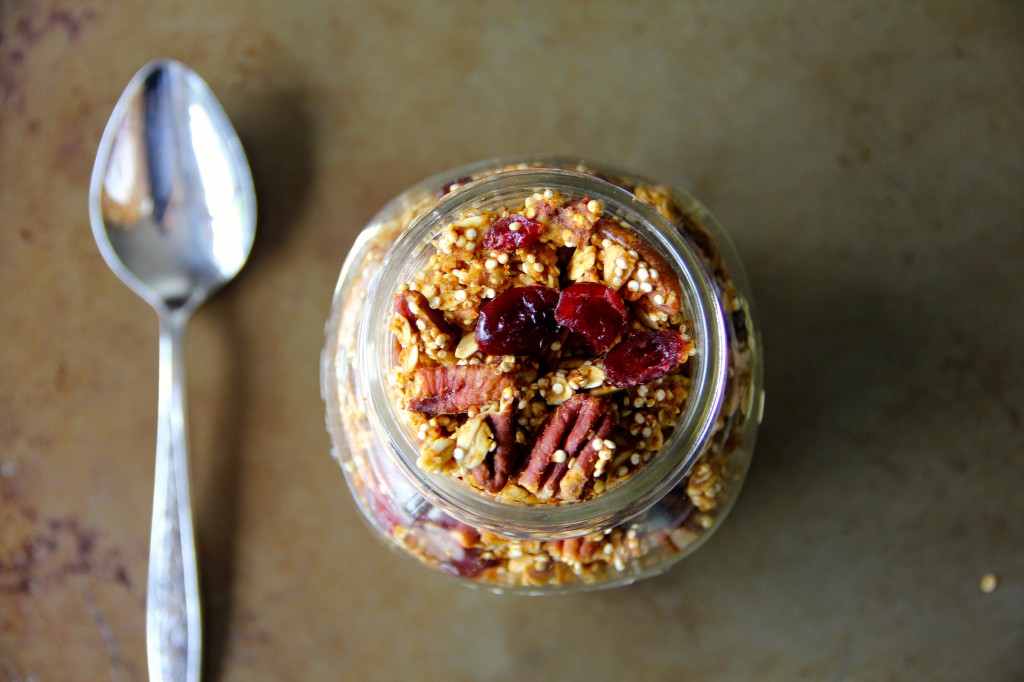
(634, 496)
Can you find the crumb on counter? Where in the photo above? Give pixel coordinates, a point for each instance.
(989, 583)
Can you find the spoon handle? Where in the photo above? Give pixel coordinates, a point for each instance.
(173, 637)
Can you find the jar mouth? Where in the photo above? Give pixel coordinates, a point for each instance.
(665, 470)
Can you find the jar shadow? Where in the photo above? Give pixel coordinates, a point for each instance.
(881, 411)
(862, 375)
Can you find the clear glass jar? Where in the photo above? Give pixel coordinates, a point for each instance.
(632, 530)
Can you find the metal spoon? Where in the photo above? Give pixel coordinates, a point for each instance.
(174, 213)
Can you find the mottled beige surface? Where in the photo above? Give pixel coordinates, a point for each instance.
(867, 157)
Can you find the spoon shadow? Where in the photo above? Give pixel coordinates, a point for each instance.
(276, 132)
(217, 520)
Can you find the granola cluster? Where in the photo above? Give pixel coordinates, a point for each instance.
(557, 423)
(543, 425)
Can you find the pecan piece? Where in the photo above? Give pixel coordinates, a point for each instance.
(542, 211)
(575, 218)
(564, 439)
(466, 317)
(454, 389)
(493, 472)
(575, 550)
(665, 295)
(428, 322)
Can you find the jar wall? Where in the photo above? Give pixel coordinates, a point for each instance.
(622, 552)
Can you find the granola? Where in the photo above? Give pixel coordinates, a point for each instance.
(494, 324)
(553, 424)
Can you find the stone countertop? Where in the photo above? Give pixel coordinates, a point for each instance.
(867, 159)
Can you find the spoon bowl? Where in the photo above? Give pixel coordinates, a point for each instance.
(173, 211)
(171, 202)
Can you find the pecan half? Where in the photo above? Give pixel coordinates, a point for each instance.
(428, 322)
(666, 294)
(493, 472)
(454, 389)
(580, 476)
(564, 442)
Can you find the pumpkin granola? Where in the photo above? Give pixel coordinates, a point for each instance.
(560, 414)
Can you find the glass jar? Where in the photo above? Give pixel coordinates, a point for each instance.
(662, 512)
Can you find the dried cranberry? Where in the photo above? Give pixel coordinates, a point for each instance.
(675, 509)
(381, 510)
(451, 186)
(520, 321)
(512, 232)
(643, 357)
(739, 325)
(593, 311)
(465, 535)
(468, 563)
